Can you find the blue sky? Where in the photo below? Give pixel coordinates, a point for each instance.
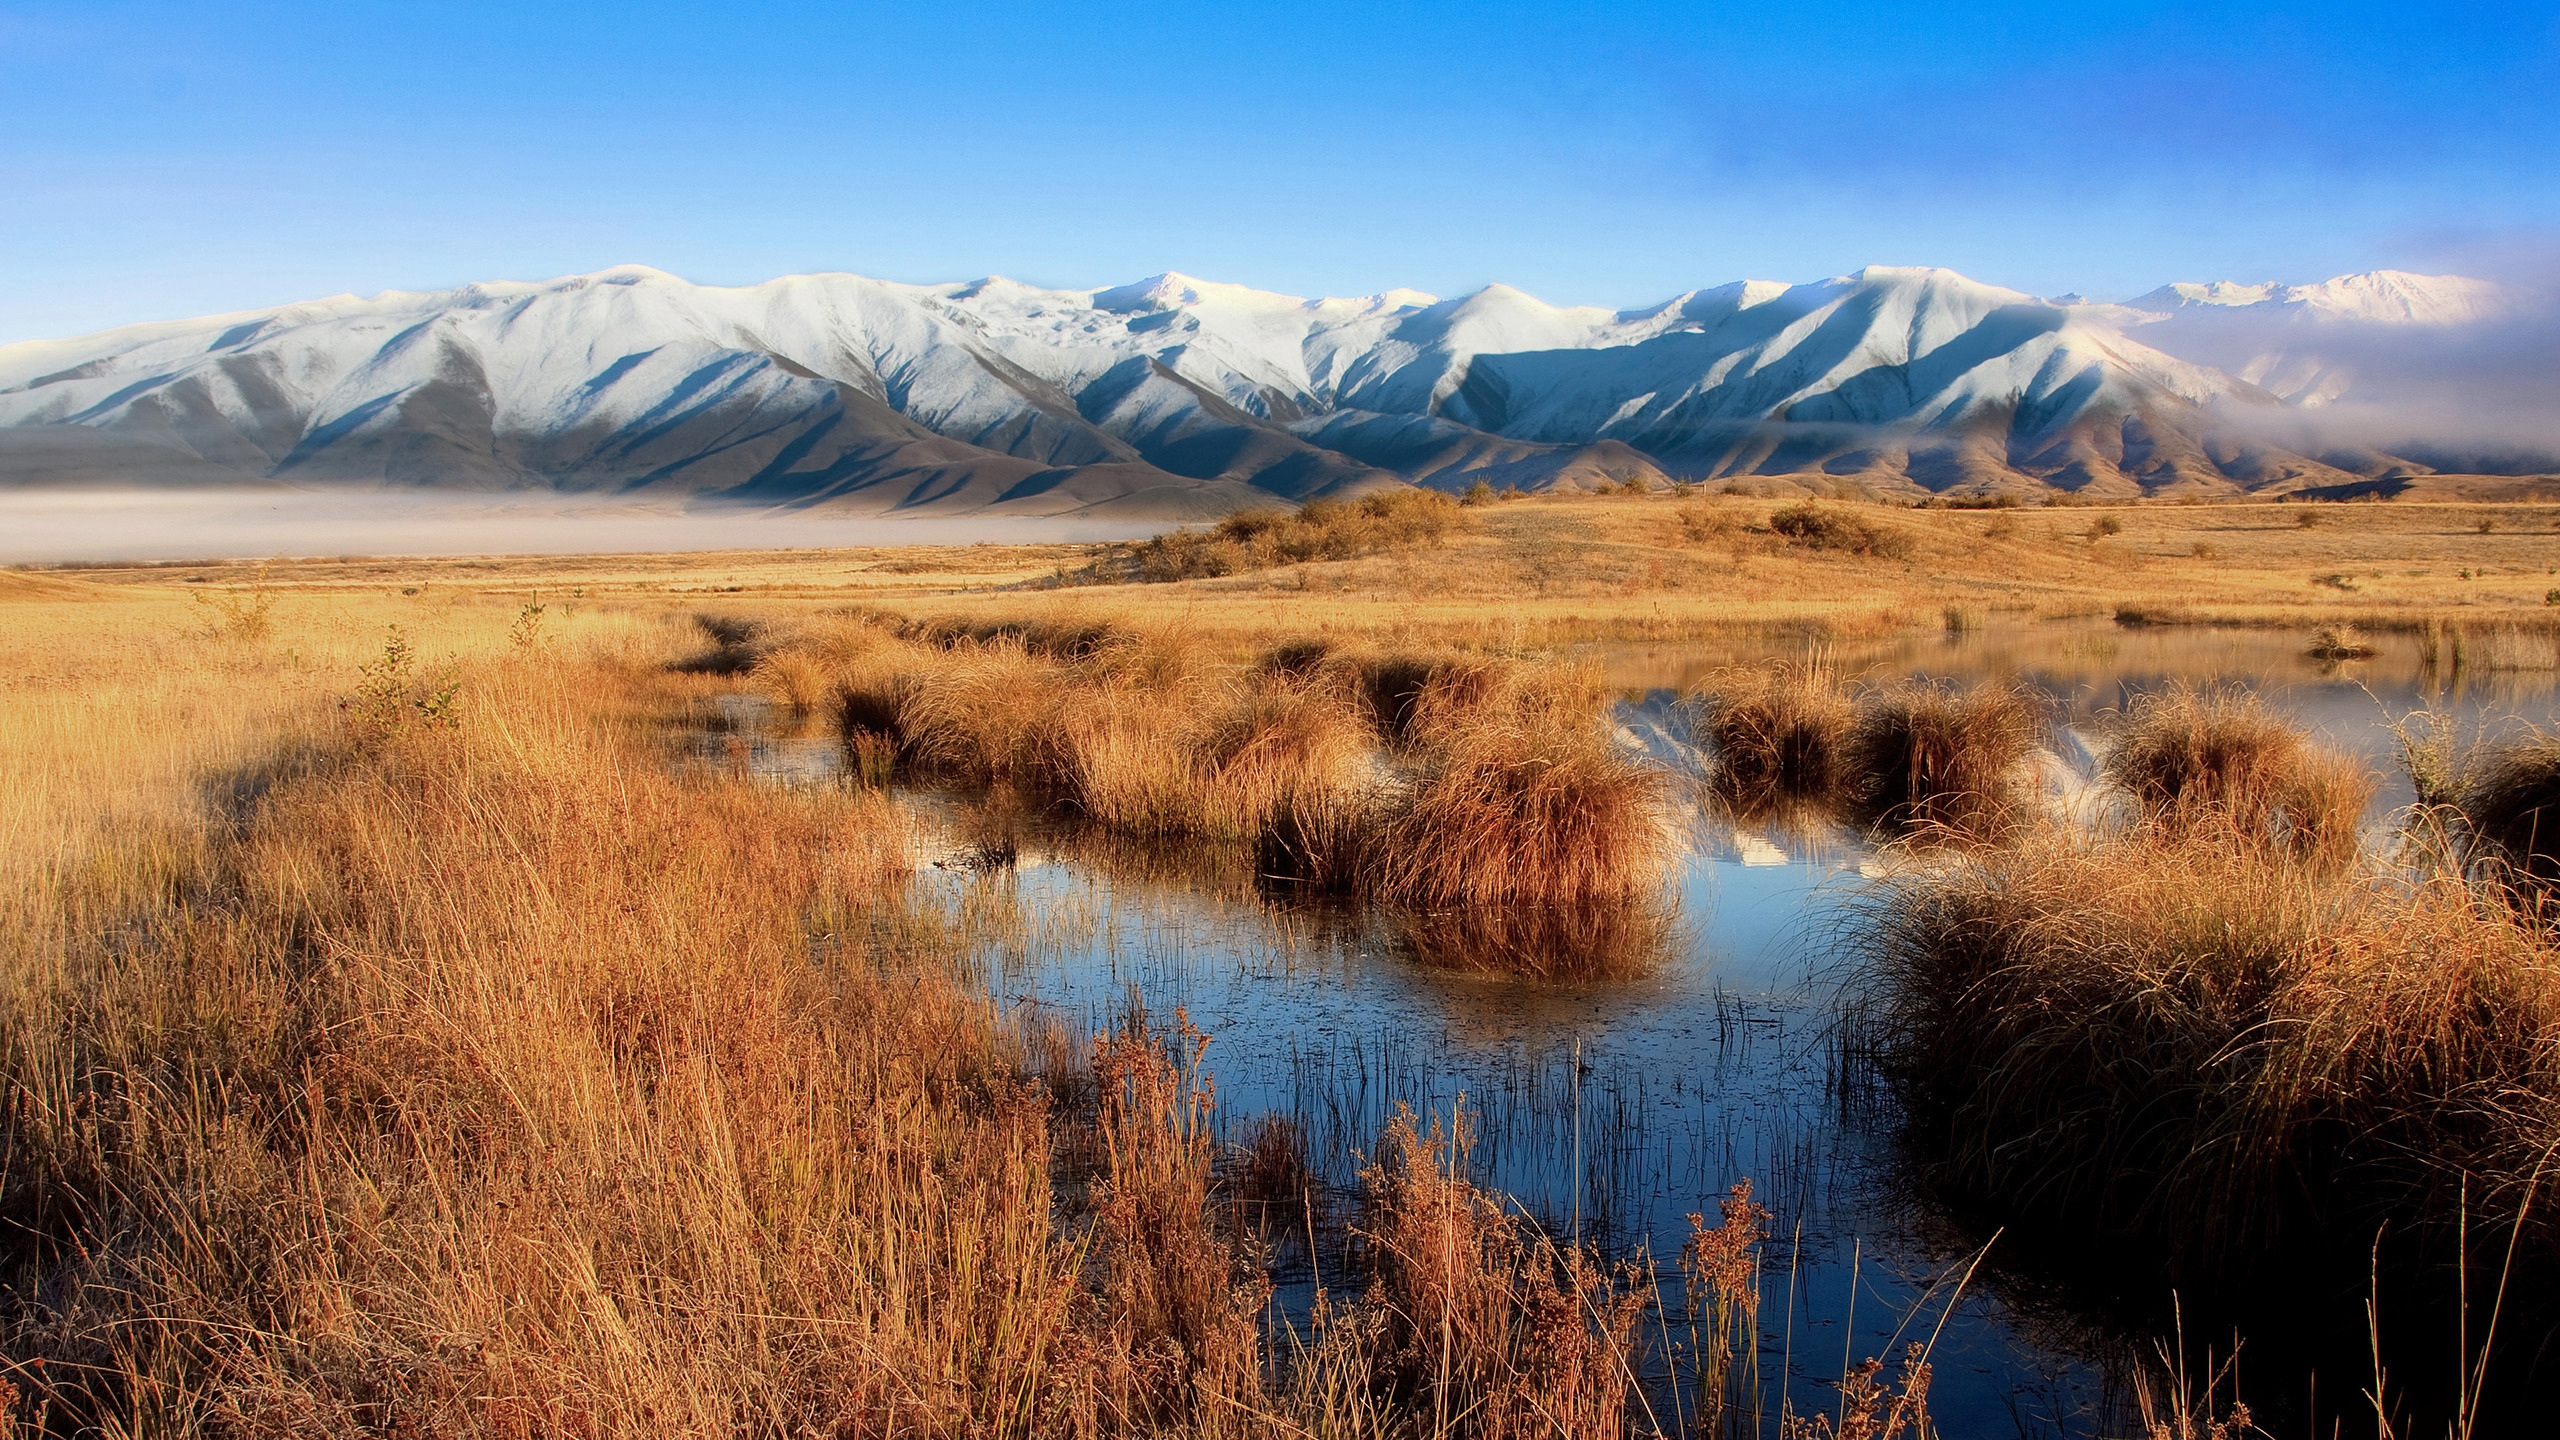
(166, 159)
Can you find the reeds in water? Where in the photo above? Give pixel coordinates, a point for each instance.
(1938, 757)
(2196, 759)
(1778, 735)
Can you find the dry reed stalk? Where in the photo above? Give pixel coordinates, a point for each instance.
(1485, 1325)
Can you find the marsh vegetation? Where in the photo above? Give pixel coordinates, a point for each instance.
(782, 1010)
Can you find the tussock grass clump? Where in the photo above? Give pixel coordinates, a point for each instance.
(2197, 1042)
(2510, 799)
(1778, 734)
(2219, 759)
(983, 714)
(2340, 642)
(1934, 756)
(1523, 798)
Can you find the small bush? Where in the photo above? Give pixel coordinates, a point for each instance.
(1826, 527)
(1480, 493)
(2104, 526)
(2307, 519)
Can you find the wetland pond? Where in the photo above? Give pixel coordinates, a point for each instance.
(1705, 1053)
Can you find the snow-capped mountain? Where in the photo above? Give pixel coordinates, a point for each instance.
(1172, 395)
(2380, 297)
(2300, 342)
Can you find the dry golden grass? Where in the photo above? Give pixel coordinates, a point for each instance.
(1534, 572)
(1931, 756)
(2218, 759)
(483, 1070)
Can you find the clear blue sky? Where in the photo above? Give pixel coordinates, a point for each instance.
(164, 159)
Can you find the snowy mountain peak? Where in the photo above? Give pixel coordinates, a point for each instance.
(2376, 297)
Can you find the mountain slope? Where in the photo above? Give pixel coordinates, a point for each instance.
(1173, 394)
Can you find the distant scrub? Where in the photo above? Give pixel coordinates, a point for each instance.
(1830, 527)
(1321, 529)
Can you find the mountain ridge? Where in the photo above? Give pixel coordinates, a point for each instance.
(1187, 395)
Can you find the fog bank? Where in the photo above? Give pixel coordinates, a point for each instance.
(52, 526)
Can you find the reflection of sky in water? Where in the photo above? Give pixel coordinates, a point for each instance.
(1614, 1108)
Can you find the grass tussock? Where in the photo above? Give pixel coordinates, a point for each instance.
(2510, 801)
(1779, 734)
(1936, 757)
(2199, 1042)
(1325, 528)
(2218, 759)
(1523, 798)
(2340, 642)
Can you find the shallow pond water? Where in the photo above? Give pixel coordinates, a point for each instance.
(1611, 1108)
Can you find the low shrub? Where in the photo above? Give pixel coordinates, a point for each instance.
(1829, 527)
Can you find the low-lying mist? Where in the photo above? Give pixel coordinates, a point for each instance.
(108, 525)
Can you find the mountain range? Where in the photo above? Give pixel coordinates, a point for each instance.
(1182, 397)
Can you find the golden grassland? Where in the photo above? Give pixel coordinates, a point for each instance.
(399, 1037)
(1534, 571)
